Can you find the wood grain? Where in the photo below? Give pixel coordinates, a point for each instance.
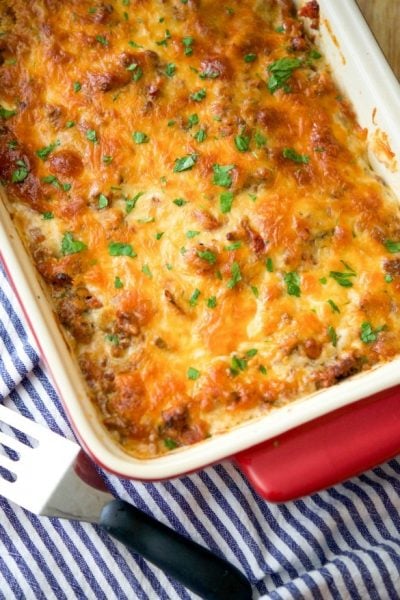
(383, 17)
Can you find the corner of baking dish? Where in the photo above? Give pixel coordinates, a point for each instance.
(359, 67)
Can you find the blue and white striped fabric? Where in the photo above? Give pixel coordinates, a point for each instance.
(342, 543)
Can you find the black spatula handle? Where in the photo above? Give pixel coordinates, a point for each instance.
(198, 569)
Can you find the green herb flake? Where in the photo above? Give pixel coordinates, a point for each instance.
(66, 187)
(242, 142)
(130, 203)
(368, 334)
(225, 202)
(187, 45)
(171, 123)
(69, 124)
(199, 95)
(280, 72)
(262, 369)
(222, 175)
(47, 216)
(392, 247)
(332, 335)
(170, 69)
(342, 279)
(140, 138)
(193, 120)
(112, 338)
(250, 57)
(237, 364)
(212, 302)
(236, 276)
(201, 135)
(194, 297)
(102, 40)
(314, 54)
(251, 353)
(208, 256)
(334, 307)
(234, 246)
(292, 281)
(69, 245)
(147, 272)
(52, 180)
(6, 114)
(260, 140)
(323, 280)
(12, 144)
(166, 38)
(106, 159)
(91, 136)
(388, 278)
(179, 202)
(191, 234)
(291, 154)
(21, 173)
(118, 283)
(170, 443)
(121, 249)
(255, 291)
(77, 86)
(103, 201)
(185, 163)
(159, 235)
(193, 373)
(269, 265)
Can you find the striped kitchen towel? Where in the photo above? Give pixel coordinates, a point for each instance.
(342, 543)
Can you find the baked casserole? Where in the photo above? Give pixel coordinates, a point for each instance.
(195, 192)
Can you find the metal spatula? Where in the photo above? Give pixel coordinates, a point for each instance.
(50, 475)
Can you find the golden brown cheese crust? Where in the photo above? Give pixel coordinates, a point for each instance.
(195, 192)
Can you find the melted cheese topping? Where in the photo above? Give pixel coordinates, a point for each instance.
(196, 194)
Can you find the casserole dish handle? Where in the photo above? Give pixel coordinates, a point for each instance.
(326, 451)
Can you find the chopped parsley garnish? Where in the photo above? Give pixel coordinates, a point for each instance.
(66, 186)
(6, 114)
(269, 265)
(260, 140)
(368, 334)
(222, 175)
(185, 163)
(388, 278)
(118, 283)
(314, 54)
(43, 153)
(193, 120)
(193, 373)
(164, 41)
(146, 220)
(255, 291)
(262, 369)
(251, 353)
(140, 138)
(236, 275)
(121, 249)
(280, 72)
(69, 245)
(201, 135)
(91, 135)
(147, 272)
(332, 335)
(137, 72)
(159, 235)
(291, 154)
(102, 40)
(187, 44)
(250, 57)
(242, 143)
(323, 280)
(12, 144)
(333, 306)
(179, 202)
(20, 174)
(170, 69)
(171, 123)
(107, 160)
(77, 86)
(234, 246)
(342, 279)
(199, 95)
(48, 215)
(208, 256)
(70, 124)
(170, 443)
(292, 281)
(392, 247)
(194, 297)
(191, 234)
(131, 202)
(112, 338)
(237, 364)
(103, 201)
(212, 302)
(133, 44)
(52, 180)
(225, 202)
(209, 73)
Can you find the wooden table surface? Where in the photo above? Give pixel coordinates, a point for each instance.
(383, 17)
